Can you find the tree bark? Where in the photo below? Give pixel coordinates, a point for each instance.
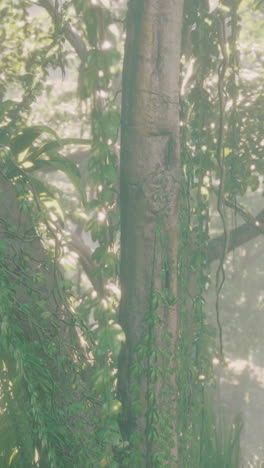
(150, 175)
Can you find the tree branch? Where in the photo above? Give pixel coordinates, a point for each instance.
(71, 35)
(88, 264)
(245, 214)
(238, 237)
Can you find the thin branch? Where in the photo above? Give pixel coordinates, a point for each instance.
(245, 214)
(88, 264)
(71, 35)
(238, 237)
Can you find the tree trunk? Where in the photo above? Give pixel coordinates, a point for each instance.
(150, 175)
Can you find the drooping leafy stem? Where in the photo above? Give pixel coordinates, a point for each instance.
(96, 72)
(160, 357)
(200, 169)
(220, 273)
(232, 83)
(193, 357)
(152, 414)
(228, 70)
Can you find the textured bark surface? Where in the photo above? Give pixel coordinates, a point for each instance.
(150, 174)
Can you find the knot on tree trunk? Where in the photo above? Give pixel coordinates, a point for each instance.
(161, 189)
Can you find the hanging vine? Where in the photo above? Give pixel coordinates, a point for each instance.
(203, 163)
(220, 155)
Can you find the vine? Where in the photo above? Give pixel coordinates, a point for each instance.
(220, 273)
(196, 345)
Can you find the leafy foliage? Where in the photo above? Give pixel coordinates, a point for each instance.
(58, 402)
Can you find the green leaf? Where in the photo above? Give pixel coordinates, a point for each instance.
(107, 194)
(26, 137)
(11, 169)
(52, 147)
(253, 182)
(13, 454)
(110, 174)
(69, 168)
(41, 187)
(76, 407)
(75, 141)
(111, 122)
(93, 204)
